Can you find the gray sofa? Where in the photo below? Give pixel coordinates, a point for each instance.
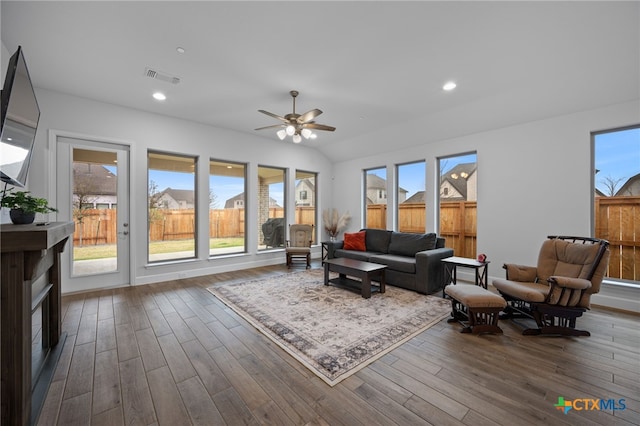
(413, 260)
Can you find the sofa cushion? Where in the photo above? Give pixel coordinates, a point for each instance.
(405, 244)
(377, 240)
(353, 254)
(396, 262)
(354, 241)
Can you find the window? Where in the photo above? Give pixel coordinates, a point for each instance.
(306, 200)
(271, 206)
(458, 203)
(171, 201)
(411, 213)
(375, 198)
(227, 215)
(616, 190)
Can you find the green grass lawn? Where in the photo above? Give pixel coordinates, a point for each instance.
(109, 250)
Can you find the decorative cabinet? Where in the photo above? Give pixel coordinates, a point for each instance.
(30, 322)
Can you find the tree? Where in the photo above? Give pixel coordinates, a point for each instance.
(153, 200)
(611, 184)
(84, 190)
(213, 200)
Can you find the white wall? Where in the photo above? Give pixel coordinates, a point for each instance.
(143, 131)
(4, 63)
(534, 180)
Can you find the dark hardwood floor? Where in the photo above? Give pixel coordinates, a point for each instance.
(172, 354)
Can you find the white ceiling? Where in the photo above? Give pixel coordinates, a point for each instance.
(367, 65)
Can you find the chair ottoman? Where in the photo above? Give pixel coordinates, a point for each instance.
(479, 307)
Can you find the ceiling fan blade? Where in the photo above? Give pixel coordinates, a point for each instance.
(271, 127)
(309, 115)
(317, 126)
(270, 114)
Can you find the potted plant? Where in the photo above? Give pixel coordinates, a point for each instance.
(23, 207)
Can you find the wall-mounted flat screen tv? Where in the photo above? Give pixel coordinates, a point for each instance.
(19, 119)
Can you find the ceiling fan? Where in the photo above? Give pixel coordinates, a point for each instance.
(296, 125)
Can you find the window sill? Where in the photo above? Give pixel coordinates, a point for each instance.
(170, 262)
(622, 284)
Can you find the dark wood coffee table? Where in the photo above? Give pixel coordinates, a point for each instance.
(365, 271)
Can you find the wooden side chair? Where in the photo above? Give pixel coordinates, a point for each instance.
(299, 244)
(559, 289)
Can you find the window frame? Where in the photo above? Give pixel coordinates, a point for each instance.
(194, 172)
(594, 134)
(243, 202)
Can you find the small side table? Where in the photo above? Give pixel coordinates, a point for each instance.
(451, 264)
(325, 250)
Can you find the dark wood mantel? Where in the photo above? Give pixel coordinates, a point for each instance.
(30, 282)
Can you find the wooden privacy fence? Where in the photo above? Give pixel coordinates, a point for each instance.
(618, 221)
(98, 226)
(457, 222)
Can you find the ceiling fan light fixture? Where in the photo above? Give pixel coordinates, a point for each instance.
(297, 126)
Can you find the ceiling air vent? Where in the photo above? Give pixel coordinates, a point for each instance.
(159, 75)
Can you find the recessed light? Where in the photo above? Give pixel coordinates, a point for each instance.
(159, 96)
(180, 49)
(450, 85)
(313, 136)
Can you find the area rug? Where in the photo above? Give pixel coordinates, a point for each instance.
(332, 331)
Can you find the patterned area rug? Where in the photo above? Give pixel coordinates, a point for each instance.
(332, 331)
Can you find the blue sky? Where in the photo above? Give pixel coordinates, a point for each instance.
(617, 155)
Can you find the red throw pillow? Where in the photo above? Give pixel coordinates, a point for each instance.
(355, 241)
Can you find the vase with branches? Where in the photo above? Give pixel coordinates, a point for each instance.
(334, 222)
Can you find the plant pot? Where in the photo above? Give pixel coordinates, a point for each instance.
(20, 217)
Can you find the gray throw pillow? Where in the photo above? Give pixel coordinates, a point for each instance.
(377, 240)
(406, 244)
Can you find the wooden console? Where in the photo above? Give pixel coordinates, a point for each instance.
(30, 288)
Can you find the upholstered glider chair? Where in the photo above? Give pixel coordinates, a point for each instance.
(558, 290)
(299, 244)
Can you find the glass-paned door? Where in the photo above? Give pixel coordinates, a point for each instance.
(93, 191)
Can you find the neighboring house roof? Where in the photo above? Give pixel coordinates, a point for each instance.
(376, 182)
(418, 197)
(459, 183)
(630, 188)
(186, 195)
(231, 202)
(93, 179)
